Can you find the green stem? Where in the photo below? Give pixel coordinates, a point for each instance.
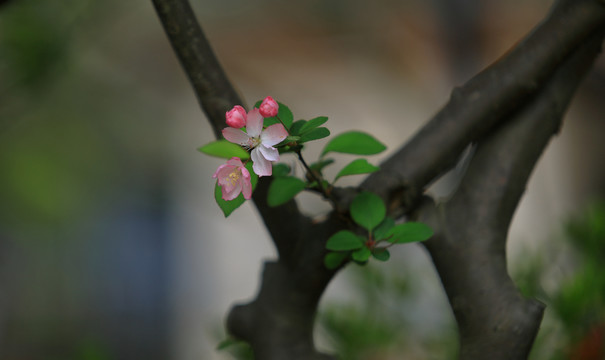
(317, 179)
(285, 127)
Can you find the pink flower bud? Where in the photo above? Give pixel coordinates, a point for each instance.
(269, 107)
(236, 117)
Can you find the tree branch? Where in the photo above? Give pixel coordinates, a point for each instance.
(216, 96)
(212, 88)
(486, 100)
(468, 249)
(279, 322)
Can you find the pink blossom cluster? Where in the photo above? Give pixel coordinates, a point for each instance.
(233, 177)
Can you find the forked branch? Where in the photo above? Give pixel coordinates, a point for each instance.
(518, 100)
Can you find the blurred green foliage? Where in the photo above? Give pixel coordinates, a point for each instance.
(72, 149)
(377, 323)
(70, 136)
(569, 277)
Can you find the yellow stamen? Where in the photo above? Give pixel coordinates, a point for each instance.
(234, 177)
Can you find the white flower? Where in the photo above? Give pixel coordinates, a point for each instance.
(260, 141)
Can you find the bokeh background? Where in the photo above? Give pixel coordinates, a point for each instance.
(111, 245)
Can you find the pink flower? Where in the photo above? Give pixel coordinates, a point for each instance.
(269, 107)
(236, 117)
(260, 141)
(234, 178)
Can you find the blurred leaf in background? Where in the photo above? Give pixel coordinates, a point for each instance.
(569, 277)
(379, 323)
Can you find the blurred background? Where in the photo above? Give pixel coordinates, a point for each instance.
(111, 245)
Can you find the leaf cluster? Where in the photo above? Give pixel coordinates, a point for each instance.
(369, 212)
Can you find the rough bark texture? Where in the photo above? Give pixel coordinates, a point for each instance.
(469, 246)
(509, 112)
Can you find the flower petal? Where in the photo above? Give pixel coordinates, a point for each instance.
(235, 161)
(269, 153)
(273, 135)
(235, 136)
(231, 193)
(245, 173)
(261, 166)
(218, 171)
(223, 172)
(246, 184)
(254, 124)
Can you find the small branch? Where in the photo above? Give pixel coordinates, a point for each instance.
(326, 193)
(485, 101)
(212, 88)
(216, 96)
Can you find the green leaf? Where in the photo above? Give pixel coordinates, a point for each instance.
(319, 165)
(354, 142)
(361, 255)
(381, 254)
(281, 169)
(227, 343)
(356, 167)
(315, 185)
(382, 230)
(284, 114)
(313, 123)
(344, 240)
(409, 232)
(332, 260)
(368, 210)
(229, 206)
(224, 149)
(282, 189)
(296, 126)
(315, 134)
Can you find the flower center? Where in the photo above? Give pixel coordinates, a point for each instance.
(234, 177)
(252, 143)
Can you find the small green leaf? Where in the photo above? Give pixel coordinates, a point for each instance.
(227, 343)
(332, 260)
(361, 255)
(315, 134)
(283, 189)
(284, 114)
(285, 148)
(343, 240)
(313, 123)
(409, 232)
(281, 169)
(381, 254)
(382, 230)
(296, 126)
(368, 210)
(315, 185)
(354, 142)
(319, 165)
(224, 149)
(356, 167)
(229, 206)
